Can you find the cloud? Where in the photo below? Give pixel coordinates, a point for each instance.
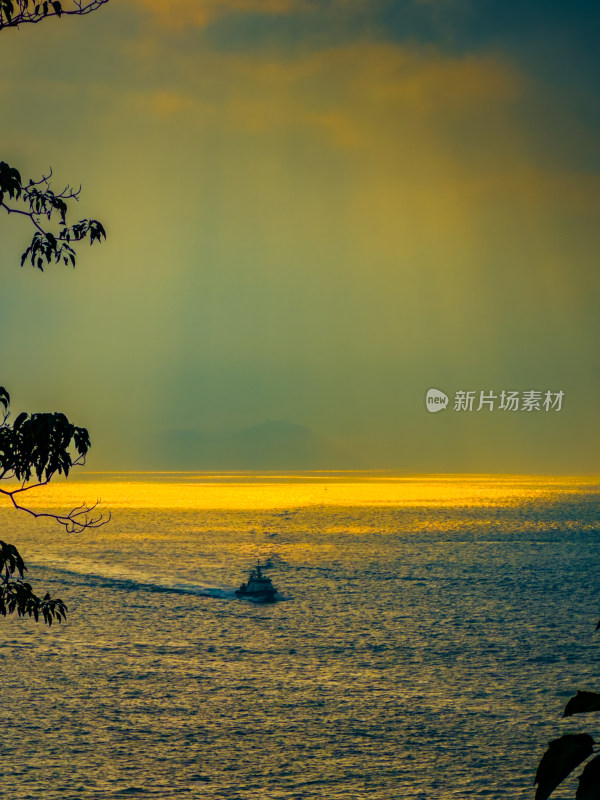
(431, 151)
(337, 87)
(199, 13)
(168, 103)
(420, 117)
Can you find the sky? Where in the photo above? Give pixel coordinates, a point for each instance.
(317, 210)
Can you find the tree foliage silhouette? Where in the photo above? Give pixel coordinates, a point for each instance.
(569, 751)
(36, 201)
(18, 12)
(39, 446)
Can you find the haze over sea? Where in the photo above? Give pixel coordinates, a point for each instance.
(429, 634)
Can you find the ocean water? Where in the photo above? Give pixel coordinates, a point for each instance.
(429, 634)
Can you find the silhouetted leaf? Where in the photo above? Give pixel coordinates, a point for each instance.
(10, 181)
(560, 759)
(20, 420)
(582, 703)
(589, 782)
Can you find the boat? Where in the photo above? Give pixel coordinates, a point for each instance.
(258, 588)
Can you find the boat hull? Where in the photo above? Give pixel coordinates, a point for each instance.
(259, 588)
(256, 597)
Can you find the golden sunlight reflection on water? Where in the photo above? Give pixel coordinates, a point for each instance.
(278, 491)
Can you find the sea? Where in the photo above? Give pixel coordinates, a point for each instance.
(428, 633)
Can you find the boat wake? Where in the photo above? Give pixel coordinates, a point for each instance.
(83, 575)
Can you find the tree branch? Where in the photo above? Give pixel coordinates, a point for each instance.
(36, 200)
(78, 519)
(17, 12)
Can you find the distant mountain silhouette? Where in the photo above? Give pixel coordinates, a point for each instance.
(271, 445)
